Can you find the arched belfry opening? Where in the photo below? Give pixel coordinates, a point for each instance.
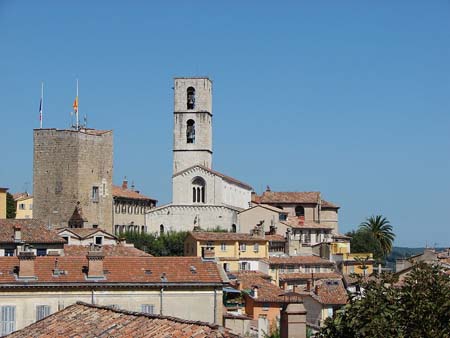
(190, 131)
(191, 98)
(299, 211)
(198, 190)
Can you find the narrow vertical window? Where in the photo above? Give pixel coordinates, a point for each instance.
(161, 230)
(198, 190)
(7, 319)
(42, 311)
(191, 98)
(190, 131)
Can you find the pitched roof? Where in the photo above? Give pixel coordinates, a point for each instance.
(301, 260)
(131, 194)
(224, 236)
(304, 275)
(330, 292)
(21, 196)
(85, 232)
(268, 207)
(87, 320)
(311, 197)
(326, 204)
(223, 176)
(267, 291)
(275, 238)
(296, 222)
(119, 270)
(108, 250)
(33, 231)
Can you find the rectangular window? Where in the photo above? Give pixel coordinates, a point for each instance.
(223, 246)
(265, 307)
(22, 206)
(42, 311)
(148, 308)
(282, 217)
(31, 206)
(66, 238)
(41, 252)
(7, 319)
(94, 194)
(99, 240)
(244, 266)
(256, 247)
(209, 244)
(242, 247)
(9, 252)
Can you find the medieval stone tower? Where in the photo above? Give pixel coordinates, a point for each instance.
(192, 133)
(73, 169)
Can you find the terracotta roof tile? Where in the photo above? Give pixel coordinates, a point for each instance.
(109, 250)
(311, 197)
(85, 232)
(138, 270)
(326, 204)
(275, 238)
(315, 276)
(224, 236)
(296, 222)
(331, 292)
(127, 193)
(86, 320)
(299, 260)
(33, 231)
(267, 291)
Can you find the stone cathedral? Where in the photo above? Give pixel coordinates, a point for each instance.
(201, 196)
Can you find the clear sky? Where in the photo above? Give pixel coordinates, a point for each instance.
(350, 98)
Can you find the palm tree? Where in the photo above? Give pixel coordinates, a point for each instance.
(381, 230)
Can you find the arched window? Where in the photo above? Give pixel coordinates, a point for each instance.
(299, 211)
(161, 230)
(190, 131)
(191, 98)
(233, 228)
(198, 190)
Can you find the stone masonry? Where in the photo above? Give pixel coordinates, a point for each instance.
(73, 166)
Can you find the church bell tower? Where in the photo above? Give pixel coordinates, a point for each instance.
(192, 132)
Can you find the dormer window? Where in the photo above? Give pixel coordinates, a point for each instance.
(191, 98)
(190, 131)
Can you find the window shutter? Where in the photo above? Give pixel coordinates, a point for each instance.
(147, 308)
(8, 319)
(42, 311)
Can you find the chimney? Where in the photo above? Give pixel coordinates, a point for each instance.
(26, 264)
(255, 292)
(95, 264)
(293, 321)
(308, 285)
(316, 289)
(17, 233)
(125, 184)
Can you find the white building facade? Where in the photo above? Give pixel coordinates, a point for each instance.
(201, 196)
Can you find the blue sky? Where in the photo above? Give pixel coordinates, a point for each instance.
(350, 98)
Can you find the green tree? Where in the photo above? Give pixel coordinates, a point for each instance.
(381, 230)
(10, 206)
(168, 244)
(418, 308)
(363, 241)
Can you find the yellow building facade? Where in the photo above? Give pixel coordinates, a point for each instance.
(234, 251)
(24, 207)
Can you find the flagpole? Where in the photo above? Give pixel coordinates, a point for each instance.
(42, 102)
(77, 107)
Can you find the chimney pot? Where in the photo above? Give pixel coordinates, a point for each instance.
(255, 292)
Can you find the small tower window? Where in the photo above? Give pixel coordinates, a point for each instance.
(190, 131)
(161, 230)
(191, 98)
(198, 190)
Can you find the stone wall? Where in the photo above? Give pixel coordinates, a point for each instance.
(67, 165)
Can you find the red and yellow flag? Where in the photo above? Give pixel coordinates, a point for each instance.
(75, 105)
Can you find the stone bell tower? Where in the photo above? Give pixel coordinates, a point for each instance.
(192, 132)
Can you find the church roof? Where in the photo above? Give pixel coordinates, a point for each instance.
(223, 176)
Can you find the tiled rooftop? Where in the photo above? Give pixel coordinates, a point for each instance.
(108, 250)
(315, 276)
(275, 238)
(312, 197)
(118, 270)
(301, 260)
(85, 232)
(330, 292)
(224, 236)
(267, 291)
(296, 222)
(33, 231)
(86, 320)
(131, 194)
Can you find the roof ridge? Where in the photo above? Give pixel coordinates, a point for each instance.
(149, 315)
